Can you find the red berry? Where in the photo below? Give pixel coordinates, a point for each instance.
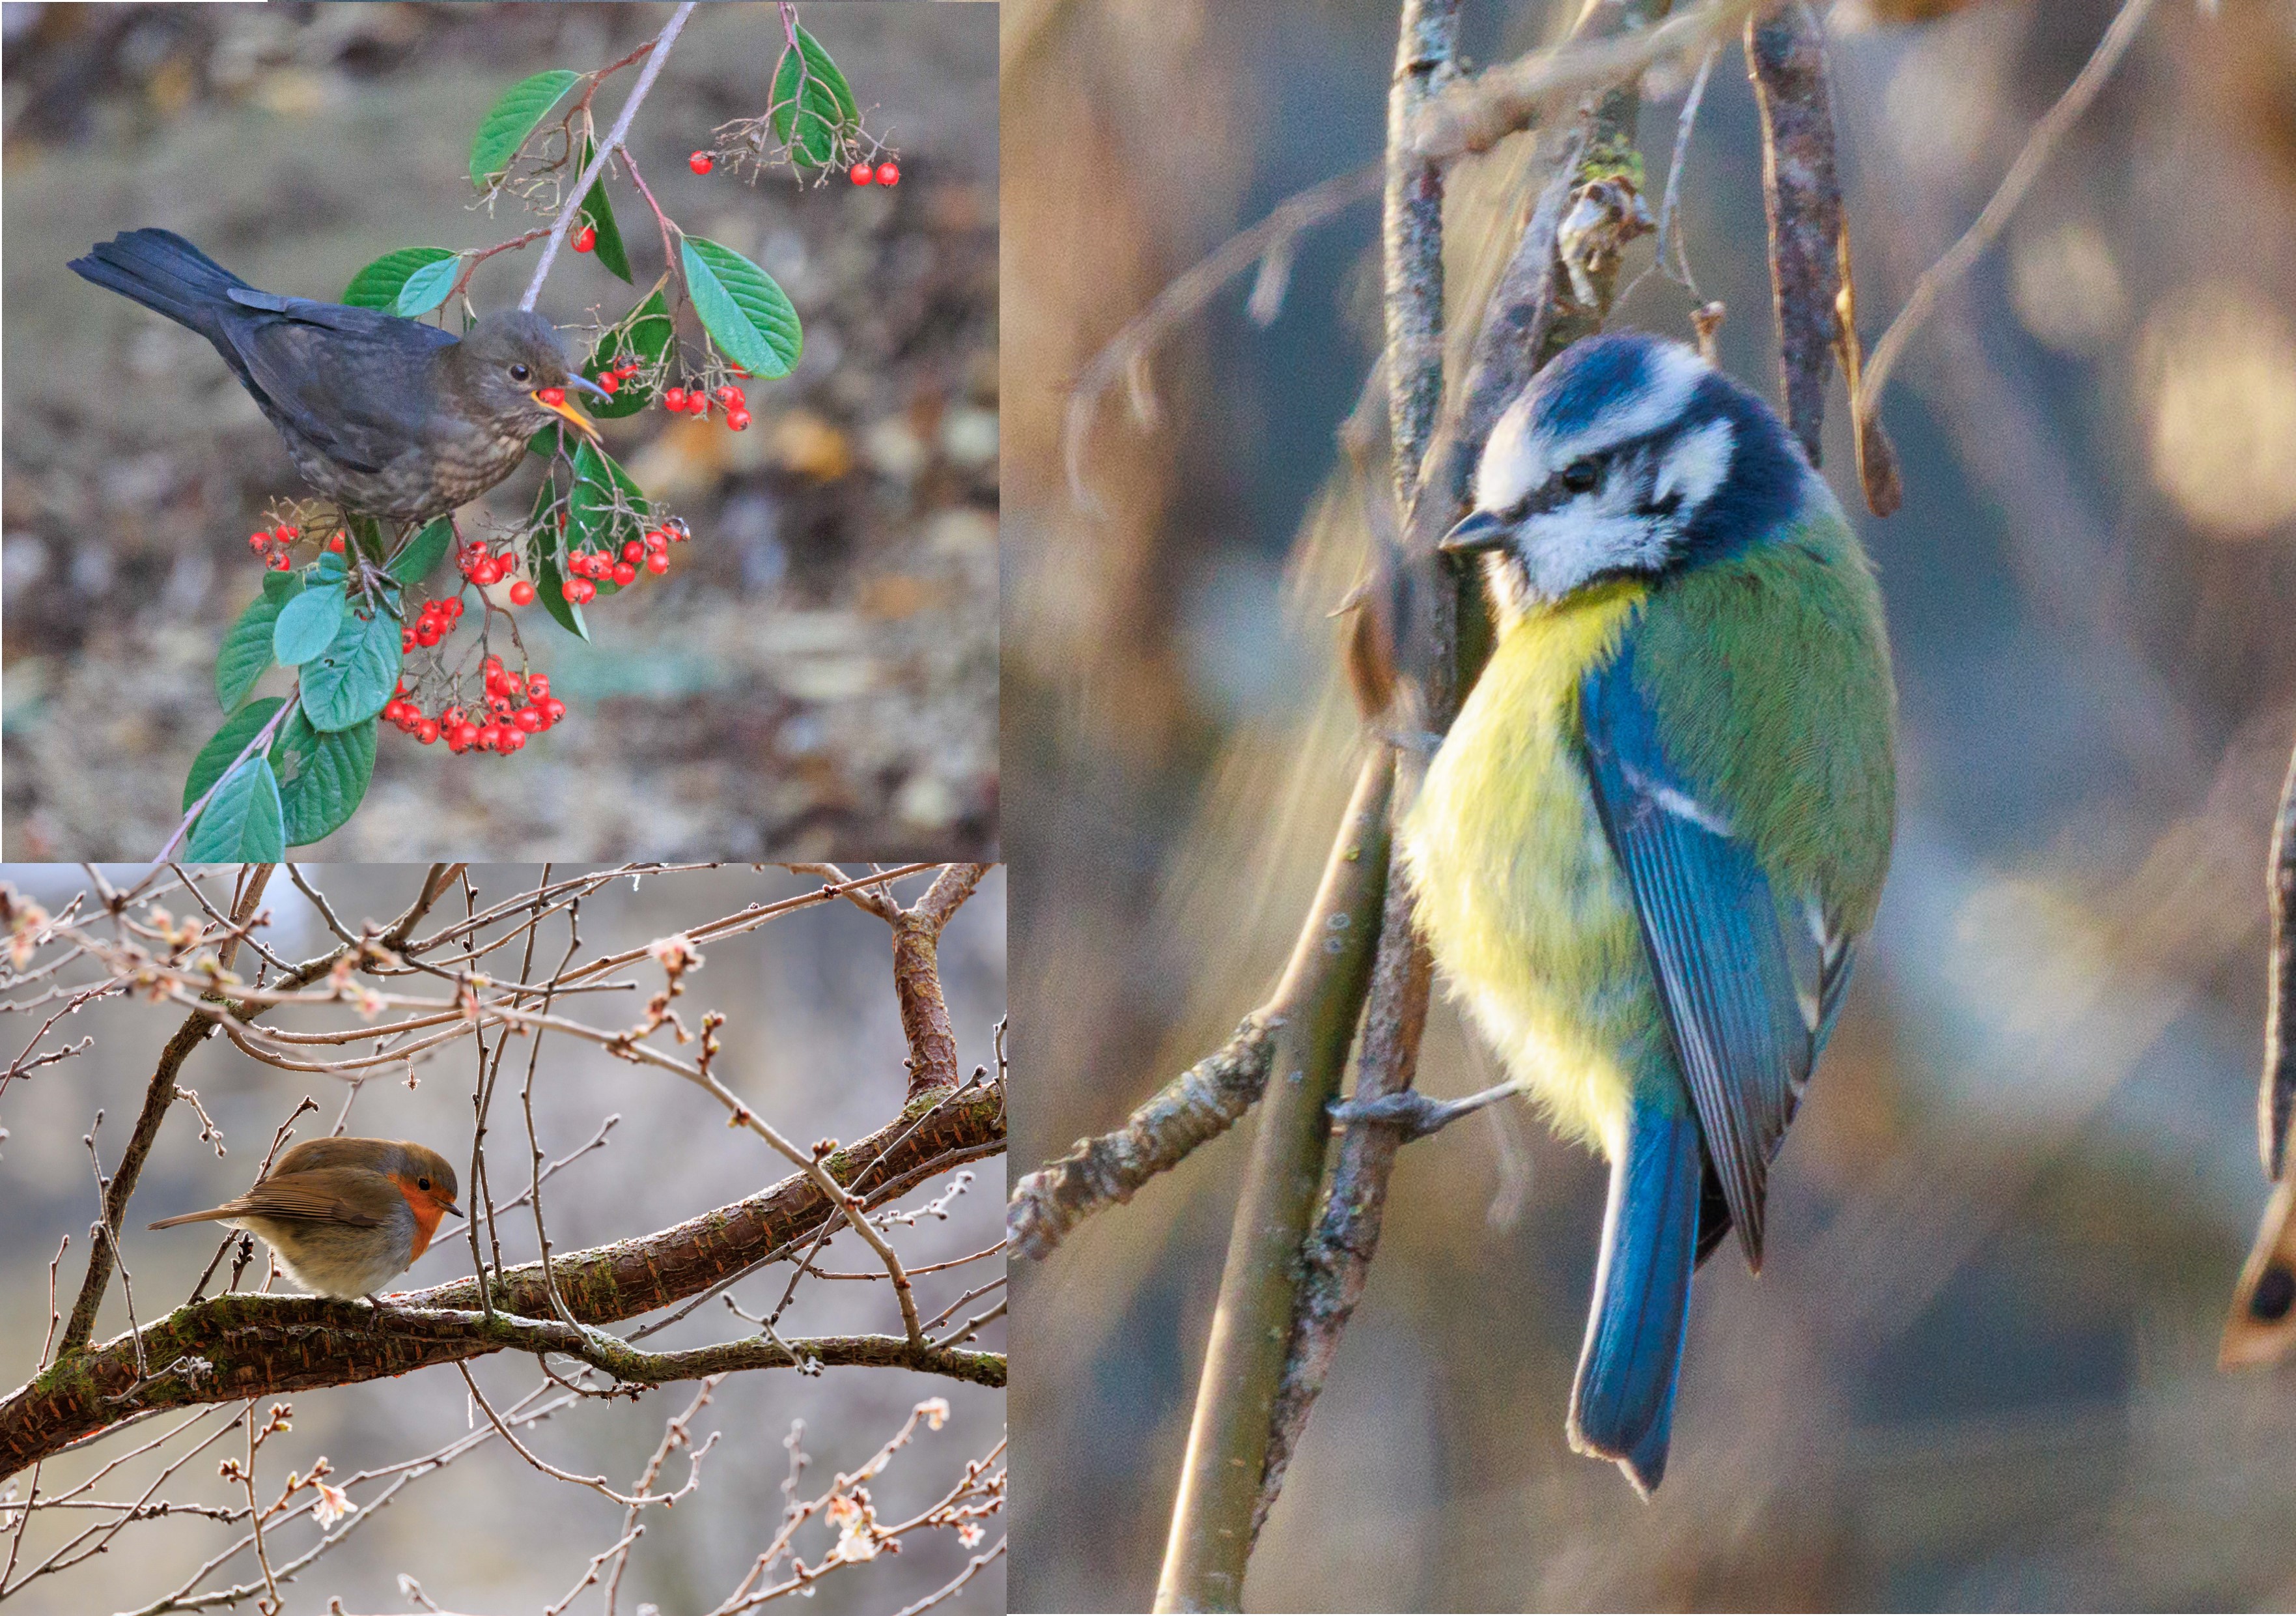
(551, 395)
(259, 542)
(427, 731)
(557, 708)
(656, 561)
(584, 239)
(888, 174)
(700, 162)
(406, 641)
(537, 685)
(611, 382)
(632, 549)
(625, 574)
(334, 543)
(862, 174)
(521, 593)
(573, 590)
(733, 396)
(528, 719)
(739, 420)
(512, 739)
(287, 535)
(513, 682)
(279, 563)
(674, 400)
(589, 591)
(487, 573)
(453, 609)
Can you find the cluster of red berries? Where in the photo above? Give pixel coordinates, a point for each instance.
(273, 543)
(612, 380)
(482, 568)
(652, 552)
(700, 162)
(517, 705)
(436, 622)
(694, 401)
(883, 174)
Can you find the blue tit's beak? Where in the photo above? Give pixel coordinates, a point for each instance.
(1480, 530)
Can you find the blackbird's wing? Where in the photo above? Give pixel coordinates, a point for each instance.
(353, 382)
(329, 1195)
(1745, 1000)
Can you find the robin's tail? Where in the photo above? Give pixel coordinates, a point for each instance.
(163, 271)
(210, 1216)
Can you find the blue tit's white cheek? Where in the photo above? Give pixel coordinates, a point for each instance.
(1598, 534)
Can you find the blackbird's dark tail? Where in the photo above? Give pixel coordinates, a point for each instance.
(163, 271)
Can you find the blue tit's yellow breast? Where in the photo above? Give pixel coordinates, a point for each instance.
(1528, 913)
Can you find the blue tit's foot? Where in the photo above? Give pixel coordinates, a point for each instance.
(1415, 1114)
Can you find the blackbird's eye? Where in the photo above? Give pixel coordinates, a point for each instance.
(423, 1184)
(1580, 475)
(518, 372)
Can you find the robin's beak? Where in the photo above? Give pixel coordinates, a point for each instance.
(1478, 530)
(582, 423)
(449, 1206)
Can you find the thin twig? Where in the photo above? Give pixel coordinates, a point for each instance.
(2039, 147)
(606, 150)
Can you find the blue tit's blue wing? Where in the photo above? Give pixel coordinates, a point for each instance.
(1745, 991)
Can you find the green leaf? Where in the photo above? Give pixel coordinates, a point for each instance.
(280, 587)
(600, 211)
(224, 746)
(306, 624)
(426, 289)
(348, 682)
(813, 106)
(643, 334)
(379, 283)
(545, 544)
(245, 655)
(511, 119)
(745, 313)
(242, 823)
(597, 519)
(412, 563)
(325, 776)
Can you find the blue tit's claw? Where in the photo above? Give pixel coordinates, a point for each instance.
(1413, 1113)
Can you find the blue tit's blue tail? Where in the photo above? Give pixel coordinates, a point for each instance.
(1622, 1406)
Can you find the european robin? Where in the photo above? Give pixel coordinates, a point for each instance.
(343, 1215)
(384, 415)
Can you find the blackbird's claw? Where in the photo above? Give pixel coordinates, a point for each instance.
(1415, 1114)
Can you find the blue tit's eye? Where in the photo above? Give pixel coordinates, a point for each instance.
(1581, 475)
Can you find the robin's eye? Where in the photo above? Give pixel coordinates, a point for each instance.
(518, 372)
(1580, 475)
(423, 1184)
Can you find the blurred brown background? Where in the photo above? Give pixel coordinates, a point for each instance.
(815, 676)
(814, 1040)
(1978, 1370)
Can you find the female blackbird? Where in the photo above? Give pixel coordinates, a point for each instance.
(385, 416)
(344, 1215)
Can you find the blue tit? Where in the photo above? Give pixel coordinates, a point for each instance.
(1644, 852)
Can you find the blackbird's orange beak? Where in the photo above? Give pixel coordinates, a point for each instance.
(582, 423)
